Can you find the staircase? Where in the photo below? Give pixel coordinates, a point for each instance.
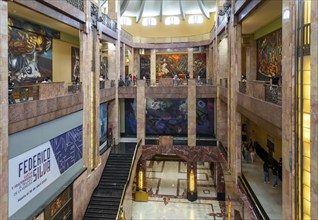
(104, 203)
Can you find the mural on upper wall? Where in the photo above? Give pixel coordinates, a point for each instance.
(167, 65)
(199, 65)
(269, 55)
(205, 117)
(29, 51)
(166, 117)
(130, 117)
(103, 123)
(144, 66)
(75, 64)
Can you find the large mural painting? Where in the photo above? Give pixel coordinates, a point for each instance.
(29, 51)
(199, 65)
(103, 122)
(167, 65)
(205, 117)
(167, 117)
(269, 55)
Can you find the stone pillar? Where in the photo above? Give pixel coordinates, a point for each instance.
(141, 111)
(314, 111)
(153, 66)
(4, 110)
(136, 63)
(251, 60)
(219, 182)
(112, 62)
(192, 112)
(122, 60)
(234, 128)
(192, 196)
(209, 63)
(112, 10)
(190, 62)
(288, 107)
(89, 71)
(131, 61)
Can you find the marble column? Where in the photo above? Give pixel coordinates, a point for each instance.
(190, 62)
(314, 111)
(192, 196)
(219, 182)
(234, 128)
(122, 60)
(131, 61)
(153, 66)
(112, 62)
(289, 205)
(251, 60)
(141, 111)
(136, 63)
(4, 110)
(112, 9)
(192, 112)
(209, 63)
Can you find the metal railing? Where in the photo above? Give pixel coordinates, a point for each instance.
(273, 93)
(109, 22)
(242, 87)
(74, 87)
(126, 35)
(256, 205)
(18, 94)
(133, 161)
(79, 4)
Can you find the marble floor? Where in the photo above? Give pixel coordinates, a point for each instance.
(166, 184)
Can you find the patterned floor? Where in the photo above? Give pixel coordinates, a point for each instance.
(166, 184)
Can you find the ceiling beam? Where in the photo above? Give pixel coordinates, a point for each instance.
(123, 7)
(181, 10)
(203, 9)
(161, 8)
(141, 10)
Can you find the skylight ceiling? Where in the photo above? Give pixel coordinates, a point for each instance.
(161, 8)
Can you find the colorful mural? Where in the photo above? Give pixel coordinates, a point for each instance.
(199, 65)
(205, 117)
(166, 117)
(167, 65)
(269, 55)
(29, 51)
(75, 64)
(144, 66)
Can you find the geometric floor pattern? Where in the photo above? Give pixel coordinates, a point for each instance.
(166, 186)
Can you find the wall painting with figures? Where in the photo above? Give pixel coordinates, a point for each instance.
(75, 64)
(269, 55)
(167, 65)
(29, 51)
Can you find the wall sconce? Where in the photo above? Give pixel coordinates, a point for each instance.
(191, 180)
(140, 185)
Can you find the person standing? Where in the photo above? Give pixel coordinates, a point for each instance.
(266, 173)
(252, 153)
(275, 174)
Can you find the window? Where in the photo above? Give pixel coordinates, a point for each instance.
(125, 21)
(195, 19)
(149, 22)
(173, 20)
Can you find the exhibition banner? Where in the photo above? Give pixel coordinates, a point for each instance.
(34, 170)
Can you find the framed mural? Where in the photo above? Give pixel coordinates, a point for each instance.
(199, 65)
(167, 65)
(269, 55)
(205, 117)
(75, 64)
(103, 123)
(144, 66)
(29, 51)
(167, 117)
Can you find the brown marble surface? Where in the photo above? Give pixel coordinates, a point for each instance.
(190, 154)
(28, 114)
(50, 90)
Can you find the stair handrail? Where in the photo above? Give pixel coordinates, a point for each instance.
(128, 179)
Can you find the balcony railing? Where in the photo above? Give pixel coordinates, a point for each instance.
(109, 22)
(126, 35)
(262, 90)
(79, 4)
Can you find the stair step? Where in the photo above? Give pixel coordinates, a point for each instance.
(93, 214)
